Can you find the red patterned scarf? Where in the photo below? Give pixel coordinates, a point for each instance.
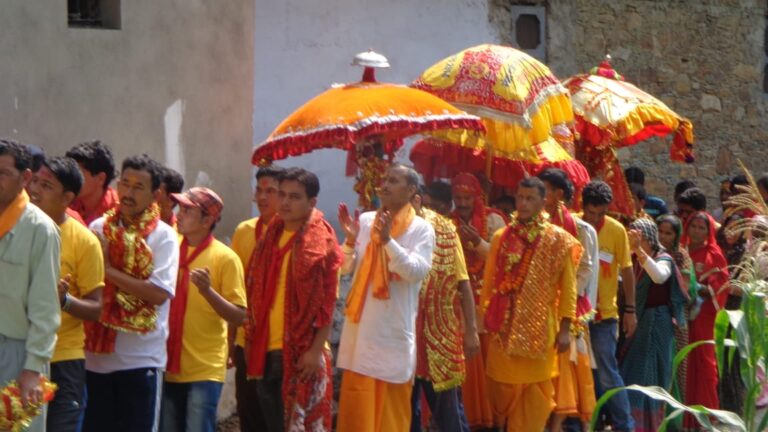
(315, 257)
(263, 282)
(513, 261)
(179, 302)
(129, 253)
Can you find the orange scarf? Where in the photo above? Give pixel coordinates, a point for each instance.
(129, 253)
(13, 212)
(373, 268)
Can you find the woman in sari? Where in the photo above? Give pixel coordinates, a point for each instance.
(670, 232)
(712, 276)
(659, 304)
(733, 244)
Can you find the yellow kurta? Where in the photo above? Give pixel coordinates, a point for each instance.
(521, 388)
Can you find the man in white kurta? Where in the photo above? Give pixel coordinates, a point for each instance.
(378, 342)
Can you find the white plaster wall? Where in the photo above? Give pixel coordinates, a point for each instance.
(177, 72)
(304, 46)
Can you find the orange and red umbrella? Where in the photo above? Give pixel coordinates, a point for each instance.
(345, 116)
(369, 119)
(525, 109)
(612, 113)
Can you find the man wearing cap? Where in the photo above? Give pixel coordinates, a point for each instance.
(197, 344)
(125, 350)
(476, 224)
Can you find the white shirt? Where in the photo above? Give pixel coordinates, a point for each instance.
(383, 344)
(133, 350)
(658, 271)
(588, 271)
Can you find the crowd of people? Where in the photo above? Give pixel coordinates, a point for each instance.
(459, 317)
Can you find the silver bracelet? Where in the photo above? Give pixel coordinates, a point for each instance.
(67, 303)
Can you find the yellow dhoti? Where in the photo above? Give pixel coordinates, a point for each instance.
(575, 386)
(526, 407)
(474, 390)
(370, 405)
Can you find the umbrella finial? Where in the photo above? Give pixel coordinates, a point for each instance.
(370, 60)
(606, 69)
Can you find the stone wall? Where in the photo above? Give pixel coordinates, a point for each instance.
(703, 58)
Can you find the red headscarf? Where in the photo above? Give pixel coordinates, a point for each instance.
(709, 260)
(467, 182)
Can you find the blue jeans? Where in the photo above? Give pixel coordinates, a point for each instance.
(190, 407)
(603, 335)
(446, 406)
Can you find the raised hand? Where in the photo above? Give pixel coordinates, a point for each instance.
(350, 226)
(201, 278)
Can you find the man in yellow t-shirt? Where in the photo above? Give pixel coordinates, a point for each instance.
(209, 295)
(244, 240)
(53, 187)
(615, 259)
(528, 301)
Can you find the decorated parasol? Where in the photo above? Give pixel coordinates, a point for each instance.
(367, 118)
(612, 113)
(526, 111)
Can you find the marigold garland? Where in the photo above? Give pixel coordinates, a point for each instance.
(13, 415)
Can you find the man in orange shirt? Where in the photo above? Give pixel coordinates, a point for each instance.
(197, 343)
(244, 240)
(529, 301)
(290, 310)
(475, 223)
(98, 168)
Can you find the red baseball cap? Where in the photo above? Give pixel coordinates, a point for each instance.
(203, 198)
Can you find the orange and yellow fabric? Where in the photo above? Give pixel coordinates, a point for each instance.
(371, 405)
(529, 287)
(83, 260)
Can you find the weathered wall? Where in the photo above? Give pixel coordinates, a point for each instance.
(176, 79)
(702, 58)
(302, 47)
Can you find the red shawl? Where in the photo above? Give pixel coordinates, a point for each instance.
(310, 299)
(108, 201)
(179, 303)
(479, 221)
(708, 258)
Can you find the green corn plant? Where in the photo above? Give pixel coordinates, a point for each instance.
(750, 330)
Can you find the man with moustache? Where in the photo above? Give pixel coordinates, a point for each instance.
(475, 223)
(529, 302)
(29, 265)
(126, 348)
(390, 253)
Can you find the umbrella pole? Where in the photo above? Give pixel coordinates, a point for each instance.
(488, 172)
